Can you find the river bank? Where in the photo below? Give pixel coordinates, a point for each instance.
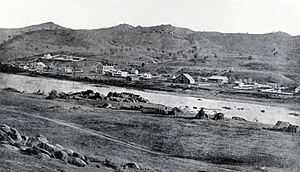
(248, 110)
(182, 143)
(291, 102)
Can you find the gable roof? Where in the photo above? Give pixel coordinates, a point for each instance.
(188, 76)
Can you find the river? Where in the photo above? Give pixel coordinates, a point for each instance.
(249, 111)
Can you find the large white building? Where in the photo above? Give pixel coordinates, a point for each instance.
(105, 68)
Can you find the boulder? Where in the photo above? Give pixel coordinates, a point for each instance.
(43, 156)
(79, 155)
(201, 115)
(5, 128)
(76, 161)
(131, 165)
(281, 125)
(24, 140)
(58, 146)
(42, 139)
(15, 135)
(292, 128)
(68, 151)
(238, 118)
(61, 155)
(218, 116)
(5, 138)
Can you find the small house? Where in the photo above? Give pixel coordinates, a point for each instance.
(184, 79)
(147, 75)
(68, 70)
(47, 57)
(297, 89)
(39, 66)
(218, 79)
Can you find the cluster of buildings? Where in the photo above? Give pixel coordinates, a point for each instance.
(185, 78)
(65, 58)
(271, 88)
(107, 69)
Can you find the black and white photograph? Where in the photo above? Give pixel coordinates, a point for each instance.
(149, 85)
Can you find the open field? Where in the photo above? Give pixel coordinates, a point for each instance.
(155, 142)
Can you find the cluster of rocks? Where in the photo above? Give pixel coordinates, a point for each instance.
(126, 97)
(90, 94)
(284, 127)
(202, 115)
(162, 110)
(39, 147)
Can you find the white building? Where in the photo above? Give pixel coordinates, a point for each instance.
(297, 90)
(220, 79)
(105, 68)
(147, 75)
(68, 70)
(39, 66)
(47, 56)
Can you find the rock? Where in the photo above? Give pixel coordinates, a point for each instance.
(218, 116)
(15, 135)
(10, 147)
(292, 128)
(68, 151)
(43, 156)
(24, 140)
(131, 165)
(238, 118)
(281, 125)
(76, 161)
(201, 115)
(5, 138)
(79, 155)
(61, 155)
(59, 146)
(4, 128)
(42, 139)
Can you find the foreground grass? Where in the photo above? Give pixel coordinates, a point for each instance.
(191, 144)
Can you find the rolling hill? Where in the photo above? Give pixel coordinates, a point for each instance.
(164, 44)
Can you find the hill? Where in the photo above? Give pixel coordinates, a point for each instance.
(6, 34)
(164, 44)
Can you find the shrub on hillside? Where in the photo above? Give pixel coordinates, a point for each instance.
(52, 95)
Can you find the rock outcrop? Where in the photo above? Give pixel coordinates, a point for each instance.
(39, 147)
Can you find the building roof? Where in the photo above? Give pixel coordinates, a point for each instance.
(218, 77)
(189, 77)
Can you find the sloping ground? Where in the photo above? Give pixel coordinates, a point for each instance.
(262, 76)
(6, 34)
(198, 145)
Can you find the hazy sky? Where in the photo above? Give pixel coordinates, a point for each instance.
(253, 16)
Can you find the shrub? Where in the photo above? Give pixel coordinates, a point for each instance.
(52, 94)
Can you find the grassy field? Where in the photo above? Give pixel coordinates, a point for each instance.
(155, 142)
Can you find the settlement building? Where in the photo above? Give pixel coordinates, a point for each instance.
(219, 79)
(147, 75)
(105, 68)
(184, 79)
(297, 90)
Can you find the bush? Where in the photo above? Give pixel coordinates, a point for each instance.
(52, 94)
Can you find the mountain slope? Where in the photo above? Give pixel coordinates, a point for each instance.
(6, 34)
(165, 44)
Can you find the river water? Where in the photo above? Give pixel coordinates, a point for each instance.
(249, 111)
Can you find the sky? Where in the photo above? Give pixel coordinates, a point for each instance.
(230, 16)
